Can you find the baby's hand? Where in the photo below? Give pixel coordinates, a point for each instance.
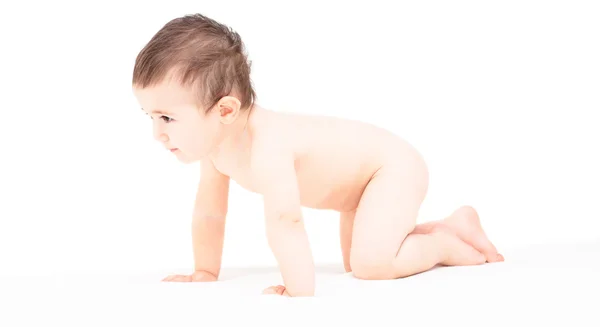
(279, 290)
(197, 276)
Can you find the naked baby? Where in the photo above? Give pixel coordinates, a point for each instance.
(193, 80)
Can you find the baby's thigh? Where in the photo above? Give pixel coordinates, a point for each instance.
(386, 214)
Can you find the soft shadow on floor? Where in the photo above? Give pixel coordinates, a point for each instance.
(235, 272)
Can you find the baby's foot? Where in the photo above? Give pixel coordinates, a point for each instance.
(456, 252)
(466, 224)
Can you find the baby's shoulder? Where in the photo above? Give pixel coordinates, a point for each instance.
(274, 144)
(273, 133)
(268, 145)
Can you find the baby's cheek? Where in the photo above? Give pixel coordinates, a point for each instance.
(207, 141)
(199, 146)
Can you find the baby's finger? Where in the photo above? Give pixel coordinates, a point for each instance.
(279, 289)
(168, 278)
(270, 290)
(182, 278)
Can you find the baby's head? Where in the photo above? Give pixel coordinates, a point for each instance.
(193, 79)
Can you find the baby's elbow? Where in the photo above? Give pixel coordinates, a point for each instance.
(286, 218)
(289, 217)
(287, 221)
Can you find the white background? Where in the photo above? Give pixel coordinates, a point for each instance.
(500, 98)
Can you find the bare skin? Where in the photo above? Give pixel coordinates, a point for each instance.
(464, 223)
(376, 180)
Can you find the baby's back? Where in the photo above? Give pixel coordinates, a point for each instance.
(336, 158)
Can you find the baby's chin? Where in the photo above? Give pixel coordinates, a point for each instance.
(185, 158)
(187, 161)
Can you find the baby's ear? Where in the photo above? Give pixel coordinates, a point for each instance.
(229, 109)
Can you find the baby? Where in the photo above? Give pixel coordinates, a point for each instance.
(193, 80)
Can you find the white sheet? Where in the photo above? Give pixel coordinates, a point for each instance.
(544, 283)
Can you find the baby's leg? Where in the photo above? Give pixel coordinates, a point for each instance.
(346, 222)
(465, 223)
(383, 245)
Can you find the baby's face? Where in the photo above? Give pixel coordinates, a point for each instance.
(178, 124)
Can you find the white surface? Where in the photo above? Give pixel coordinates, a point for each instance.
(500, 97)
(543, 283)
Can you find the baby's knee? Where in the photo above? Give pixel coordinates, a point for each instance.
(371, 267)
(381, 265)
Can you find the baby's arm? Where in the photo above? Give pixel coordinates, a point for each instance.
(208, 222)
(286, 236)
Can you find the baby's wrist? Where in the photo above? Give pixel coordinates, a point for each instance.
(204, 274)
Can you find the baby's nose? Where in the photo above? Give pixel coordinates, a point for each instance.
(163, 138)
(159, 135)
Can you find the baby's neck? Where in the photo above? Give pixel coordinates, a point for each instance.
(239, 140)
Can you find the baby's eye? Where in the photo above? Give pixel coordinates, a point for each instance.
(166, 119)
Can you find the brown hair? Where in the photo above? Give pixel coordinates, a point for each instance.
(202, 54)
